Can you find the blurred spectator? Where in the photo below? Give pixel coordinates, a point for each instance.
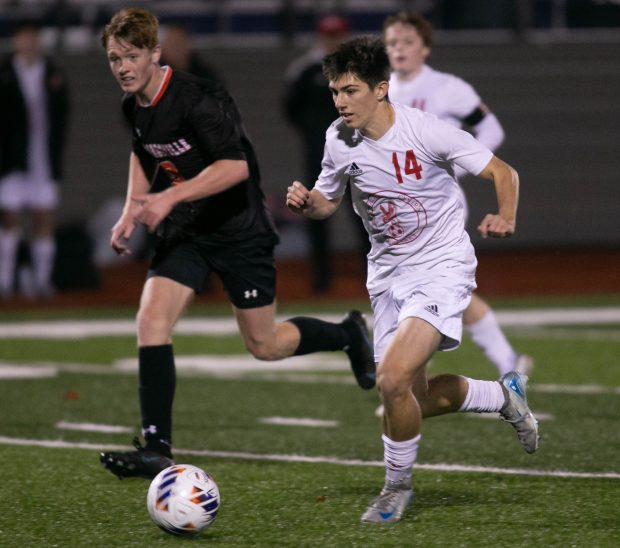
(177, 52)
(309, 106)
(34, 108)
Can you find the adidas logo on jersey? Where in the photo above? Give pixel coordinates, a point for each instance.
(433, 309)
(354, 170)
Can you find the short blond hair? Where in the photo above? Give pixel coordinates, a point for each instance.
(136, 26)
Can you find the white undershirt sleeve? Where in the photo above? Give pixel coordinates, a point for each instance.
(489, 132)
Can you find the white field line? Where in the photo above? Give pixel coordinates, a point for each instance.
(94, 427)
(240, 366)
(441, 467)
(70, 329)
(495, 416)
(118, 429)
(567, 333)
(298, 421)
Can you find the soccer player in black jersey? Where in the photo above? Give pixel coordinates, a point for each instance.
(194, 182)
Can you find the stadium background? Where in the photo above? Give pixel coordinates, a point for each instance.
(549, 69)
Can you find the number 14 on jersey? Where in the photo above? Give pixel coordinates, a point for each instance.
(411, 166)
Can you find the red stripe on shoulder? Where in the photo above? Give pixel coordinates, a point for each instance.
(162, 87)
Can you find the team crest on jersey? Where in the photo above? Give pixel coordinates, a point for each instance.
(396, 218)
(354, 170)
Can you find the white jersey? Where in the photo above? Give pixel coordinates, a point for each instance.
(403, 187)
(446, 96)
(450, 98)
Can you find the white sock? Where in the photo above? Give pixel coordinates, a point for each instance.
(9, 239)
(43, 251)
(483, 396)
(399, 457)
(488, 335)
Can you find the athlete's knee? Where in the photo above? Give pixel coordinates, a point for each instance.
(262, 349)
(153, 327)
(393, 383)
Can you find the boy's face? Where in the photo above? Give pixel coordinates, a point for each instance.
(132, 67)
(355, 101)
(405, 48)
(27, 43)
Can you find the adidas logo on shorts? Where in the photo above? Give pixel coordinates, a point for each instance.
(354, 170)
(433, 309)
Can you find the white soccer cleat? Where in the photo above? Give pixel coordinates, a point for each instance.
(391, 503)
(517, 412)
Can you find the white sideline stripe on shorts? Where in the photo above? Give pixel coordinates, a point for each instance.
(94, 427)
(440, 467)
(73, 329)
(299, 421)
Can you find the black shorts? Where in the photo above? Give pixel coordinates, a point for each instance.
(247, 269)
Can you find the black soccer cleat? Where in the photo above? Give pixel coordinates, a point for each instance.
(360, 350)
(140, 463)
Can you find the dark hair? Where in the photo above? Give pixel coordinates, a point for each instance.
(136, 26)
(424, 28)
(364, 57)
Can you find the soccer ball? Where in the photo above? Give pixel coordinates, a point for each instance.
(183, 500)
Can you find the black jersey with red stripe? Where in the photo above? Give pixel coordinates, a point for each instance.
(190, 124)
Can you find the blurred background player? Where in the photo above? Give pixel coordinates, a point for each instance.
(34, 109)
(408, 39)
(178, 52)
(308, 105)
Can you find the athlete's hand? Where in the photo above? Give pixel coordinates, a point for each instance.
(496, 226)
(121, 232)
(298, 197)
(152, 208)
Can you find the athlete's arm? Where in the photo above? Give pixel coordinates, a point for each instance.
(506, 179)
(486, 127)
(215, 178)
(311, 204)
(137, 184)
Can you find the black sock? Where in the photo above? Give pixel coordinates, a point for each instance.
(157, 384)
(319, 336)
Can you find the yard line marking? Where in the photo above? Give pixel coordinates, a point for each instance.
(324, 361)
(574, 389)
(10, 371)
(567, 333)
(234, 367)
(438, 467)
(294, 421)
(74, 329)
(495, 416)
(94, 427)
(81, 329)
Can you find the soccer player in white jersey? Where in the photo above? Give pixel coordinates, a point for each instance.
(408, 39)
(400, 163)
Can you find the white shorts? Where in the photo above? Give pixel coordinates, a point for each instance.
(19, 191)
(439, 300)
